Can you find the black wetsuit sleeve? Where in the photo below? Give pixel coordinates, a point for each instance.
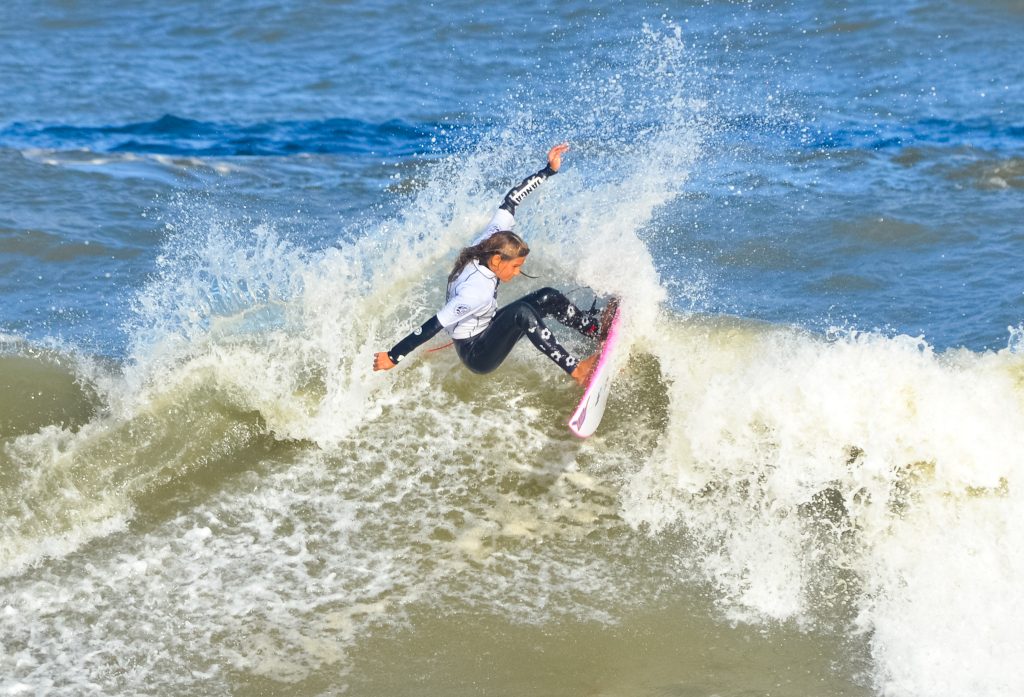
(418, 337)
(524, 188)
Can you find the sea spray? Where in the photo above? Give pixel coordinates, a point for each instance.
(249, 481)
(864, 477)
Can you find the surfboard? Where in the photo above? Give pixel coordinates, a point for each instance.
(587, 417)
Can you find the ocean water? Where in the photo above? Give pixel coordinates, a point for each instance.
(809, 478)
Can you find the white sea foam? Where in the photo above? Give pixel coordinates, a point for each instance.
(243, 341)
(276, 575)
(866, 473)
(129, 164)
(857, 480)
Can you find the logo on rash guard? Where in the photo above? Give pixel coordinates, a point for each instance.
(530, 187)
(461, 310)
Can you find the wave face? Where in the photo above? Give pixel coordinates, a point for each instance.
(808, 475)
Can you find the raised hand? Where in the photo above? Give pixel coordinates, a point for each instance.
(555, 156)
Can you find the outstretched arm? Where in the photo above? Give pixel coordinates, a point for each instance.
(386, 360)
(463, 304)
(504, 218)
(524, 188)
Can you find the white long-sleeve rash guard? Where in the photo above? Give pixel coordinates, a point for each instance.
(471, 300)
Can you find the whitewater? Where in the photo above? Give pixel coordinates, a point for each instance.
(807, 482)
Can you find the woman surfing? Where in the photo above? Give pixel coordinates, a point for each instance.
(484, 335)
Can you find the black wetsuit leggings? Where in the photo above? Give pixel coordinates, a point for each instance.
(524, 317)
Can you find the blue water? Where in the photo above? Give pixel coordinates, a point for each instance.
(171, 135)
(196, 194)
(863, 165)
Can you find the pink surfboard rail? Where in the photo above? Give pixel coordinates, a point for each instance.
(587, 416)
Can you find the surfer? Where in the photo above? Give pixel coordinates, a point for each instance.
(484, 335)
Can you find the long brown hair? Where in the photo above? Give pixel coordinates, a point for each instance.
(506, 244)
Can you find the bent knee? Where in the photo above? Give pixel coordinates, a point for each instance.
(545, 294)
(526, 316)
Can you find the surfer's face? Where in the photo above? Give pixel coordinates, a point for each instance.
(506, 269)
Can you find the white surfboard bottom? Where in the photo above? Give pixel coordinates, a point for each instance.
(587, 417)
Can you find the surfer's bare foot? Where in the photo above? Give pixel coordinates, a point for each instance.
(584, 369)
